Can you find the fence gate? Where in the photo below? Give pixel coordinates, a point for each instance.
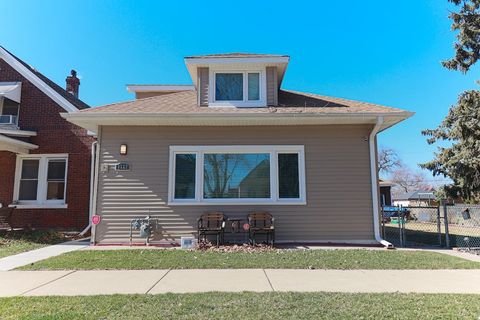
(413, 226)
(463, 226)
(444, 226)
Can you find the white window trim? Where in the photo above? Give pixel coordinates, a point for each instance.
(273, 150)
(262, 102)
(41, 201)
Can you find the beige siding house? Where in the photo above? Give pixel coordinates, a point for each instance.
(235, 142)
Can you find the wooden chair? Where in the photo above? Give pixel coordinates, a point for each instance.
(212, 223)
(261, 223)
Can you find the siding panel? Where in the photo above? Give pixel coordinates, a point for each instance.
(203, 84)
(272, 86)
(337, 183)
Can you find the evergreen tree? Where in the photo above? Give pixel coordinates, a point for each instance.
(461, 161)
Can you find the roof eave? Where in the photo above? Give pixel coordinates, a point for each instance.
(92, 120)
(14, 145)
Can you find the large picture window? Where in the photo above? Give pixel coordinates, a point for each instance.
(41, 180)
(237, 175)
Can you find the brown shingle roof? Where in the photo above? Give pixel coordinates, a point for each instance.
(289, 102)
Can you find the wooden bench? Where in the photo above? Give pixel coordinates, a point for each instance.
(212, 223)
(261, 223)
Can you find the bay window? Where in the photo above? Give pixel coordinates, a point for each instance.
(40, 180)
(237, 175)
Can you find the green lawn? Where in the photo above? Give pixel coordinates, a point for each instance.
(245, 306)
(13, 242)
(292, 259)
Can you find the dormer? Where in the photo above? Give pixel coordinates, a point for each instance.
(237, 79)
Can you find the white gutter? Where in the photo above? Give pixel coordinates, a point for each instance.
(374, 181)
(92, 181)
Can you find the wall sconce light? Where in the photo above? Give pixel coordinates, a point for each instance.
(123, 149)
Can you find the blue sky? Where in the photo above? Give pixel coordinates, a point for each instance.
(378, 51)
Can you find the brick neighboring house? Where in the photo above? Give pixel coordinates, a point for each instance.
(44, 160)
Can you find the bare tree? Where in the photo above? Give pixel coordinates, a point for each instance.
(388, 160)
(408, 180)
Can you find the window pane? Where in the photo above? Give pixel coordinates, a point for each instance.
(29, 180)
(236, 176)
(229, 87)
(28, 190)
(10, 107)
(30, 169)
(253, 86)
(288, 179)
(55, 190)
(56, 170)
(185, 176)
(56, 179)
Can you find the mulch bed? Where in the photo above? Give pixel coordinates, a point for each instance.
(245, 248)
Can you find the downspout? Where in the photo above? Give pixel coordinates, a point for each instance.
(374, 181)
(95, 182)
(93, 170)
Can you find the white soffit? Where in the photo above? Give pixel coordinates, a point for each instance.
(14, 145)
(92, 121)
(11, 90)
(17, 133)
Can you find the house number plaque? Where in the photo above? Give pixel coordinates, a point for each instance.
(123, 166)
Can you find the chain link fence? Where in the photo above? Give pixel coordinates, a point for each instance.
(432, 226)
(464, 225)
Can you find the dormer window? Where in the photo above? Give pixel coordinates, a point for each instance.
(237, 88)
(229, 87)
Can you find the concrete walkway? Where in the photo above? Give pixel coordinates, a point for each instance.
(94, 282)
(25, 258)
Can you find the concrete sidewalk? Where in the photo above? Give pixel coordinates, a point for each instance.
(95, 282)
(25, 258)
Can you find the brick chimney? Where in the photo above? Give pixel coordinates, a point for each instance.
(73, 83)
